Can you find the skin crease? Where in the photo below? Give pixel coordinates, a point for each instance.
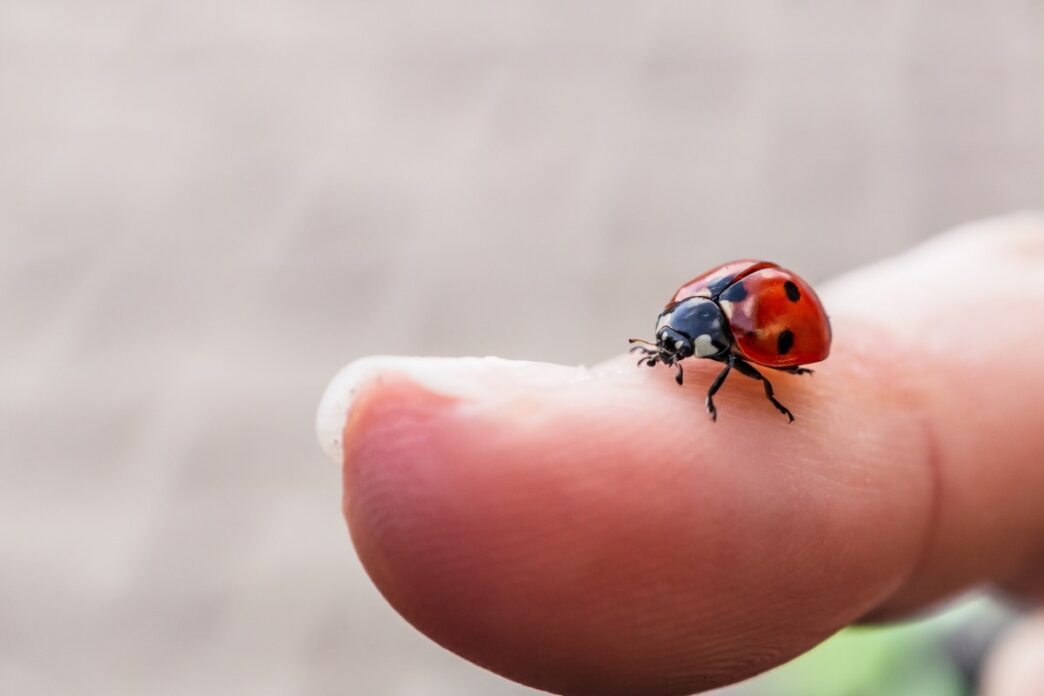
(604, 537)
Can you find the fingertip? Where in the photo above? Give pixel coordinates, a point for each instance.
(595, 531)
(605, 536)
(464, 378)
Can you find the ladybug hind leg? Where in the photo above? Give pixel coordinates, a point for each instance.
(747, 369)
(795, 370)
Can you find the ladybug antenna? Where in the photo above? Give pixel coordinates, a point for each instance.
(650, 352)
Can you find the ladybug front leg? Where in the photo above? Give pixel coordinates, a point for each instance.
(716, 385)
(648, 351)
(747, 369)
(649, 355)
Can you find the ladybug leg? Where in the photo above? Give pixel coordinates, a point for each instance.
(747, 369)
(680, 376)
(795, 370)
(647, 349)
(649, 355)
(715, 386)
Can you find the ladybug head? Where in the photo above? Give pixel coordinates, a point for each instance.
(691, 327)
(672, 345)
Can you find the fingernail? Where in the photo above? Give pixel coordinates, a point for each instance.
(463, 378)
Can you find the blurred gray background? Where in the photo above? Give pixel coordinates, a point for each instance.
(207, 207)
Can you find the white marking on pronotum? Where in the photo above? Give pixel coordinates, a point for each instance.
(704, 346)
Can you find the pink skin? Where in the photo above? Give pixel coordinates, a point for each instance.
(1017, 667)
(602, 536)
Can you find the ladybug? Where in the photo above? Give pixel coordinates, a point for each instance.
(741, 313)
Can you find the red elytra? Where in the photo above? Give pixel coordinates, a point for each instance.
(765, 308)
(742, 312)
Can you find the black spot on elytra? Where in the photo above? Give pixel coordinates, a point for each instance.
(720, 284)
(735, 293)
(785, 341)
(793, 294)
